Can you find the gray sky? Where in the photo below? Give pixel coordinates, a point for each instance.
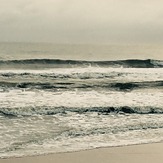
(82, 21)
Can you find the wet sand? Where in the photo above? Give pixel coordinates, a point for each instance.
(147, 153)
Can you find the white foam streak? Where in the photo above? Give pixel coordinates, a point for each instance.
(122, 74)
(18, 98)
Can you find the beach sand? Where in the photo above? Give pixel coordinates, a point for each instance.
(146, 153)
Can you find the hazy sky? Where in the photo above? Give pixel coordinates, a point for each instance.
(82, 21)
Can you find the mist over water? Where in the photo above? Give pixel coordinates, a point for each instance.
(80, 52)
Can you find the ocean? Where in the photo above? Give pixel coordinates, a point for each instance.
(63, 98)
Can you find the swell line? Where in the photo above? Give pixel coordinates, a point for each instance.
(32, 111)
(119, 86)
(57, 63)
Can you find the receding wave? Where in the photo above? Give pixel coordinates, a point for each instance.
(57, 63)
(32, 111)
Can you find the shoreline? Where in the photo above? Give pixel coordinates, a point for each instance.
(123, 154)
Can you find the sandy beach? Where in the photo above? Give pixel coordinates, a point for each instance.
(151, 153)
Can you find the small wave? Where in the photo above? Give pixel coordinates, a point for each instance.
(117, 86)
(33, 111)
(57, 63)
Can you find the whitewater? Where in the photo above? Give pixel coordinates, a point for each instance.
(70, 108)
(52, 103)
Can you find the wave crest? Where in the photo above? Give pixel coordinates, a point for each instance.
(57, 63)
(32, 111)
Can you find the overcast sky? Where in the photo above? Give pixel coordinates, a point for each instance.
(82, 21)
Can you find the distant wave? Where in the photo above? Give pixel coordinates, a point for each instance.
(57, 63)
(32, 111)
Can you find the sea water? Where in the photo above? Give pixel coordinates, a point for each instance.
(62, 98)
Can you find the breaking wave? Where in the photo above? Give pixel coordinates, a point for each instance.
(33, 111)
(80, 85)
(57, 63)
